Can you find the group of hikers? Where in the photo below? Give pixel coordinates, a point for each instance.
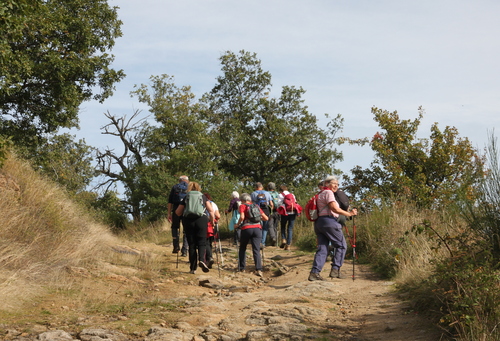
(255, 217)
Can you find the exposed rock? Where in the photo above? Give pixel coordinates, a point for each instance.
(55, 335)
(96, 334)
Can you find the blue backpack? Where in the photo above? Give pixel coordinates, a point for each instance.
(261, 200)
(180, 191)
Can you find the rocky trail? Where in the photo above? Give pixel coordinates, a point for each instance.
(222, 304)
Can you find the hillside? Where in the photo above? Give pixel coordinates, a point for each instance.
(65, 277)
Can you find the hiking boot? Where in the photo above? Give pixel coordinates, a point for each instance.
(203, 266)
(262, 246)
(210, 263)
(287, 247)
(184, 254)
(315, 277)
(176, 250)
(335, 273)
(259, 273)
(241, 270)
(283, 243)
(192, 272)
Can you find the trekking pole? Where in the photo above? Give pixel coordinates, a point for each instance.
(262, 256)
(217, 255)
(219, 243)
(352, 241)
(353, 246)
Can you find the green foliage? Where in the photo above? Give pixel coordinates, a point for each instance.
(180, 142)
(465, 286)
(109, 209)
(226, 141)
(483, 215)
(65, 161)
(5, 145)
(429, 171)
(53, 56)
(465, 290)
(262, 138)
(304, 236)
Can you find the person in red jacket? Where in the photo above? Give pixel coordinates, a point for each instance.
(251, 232)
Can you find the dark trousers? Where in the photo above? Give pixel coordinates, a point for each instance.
(176, 228)
(252, 236)
(274, 221)
(196, 233)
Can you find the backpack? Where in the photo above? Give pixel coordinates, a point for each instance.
(342, 199)
(180, 191)
(312, 205)
(312, 208)
(289, 202)
(194, 207)
(274, 197)
(312, 212)
(261, 199)
(289, 205)
(253, 213)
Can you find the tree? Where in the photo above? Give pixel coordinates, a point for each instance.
(66, 161)
(262, 138)
(179, 141)
(53, 57)
(128, 166)
(428, 171)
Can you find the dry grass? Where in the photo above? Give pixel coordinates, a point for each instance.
(394, 242)
(41, 233)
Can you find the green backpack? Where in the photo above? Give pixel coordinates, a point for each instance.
(194, 207)
(274, 196)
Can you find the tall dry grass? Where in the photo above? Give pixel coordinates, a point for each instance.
(41, 233)
(403, 242)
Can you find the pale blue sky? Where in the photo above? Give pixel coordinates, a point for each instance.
(347, 55)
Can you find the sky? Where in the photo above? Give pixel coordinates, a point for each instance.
(349, 56)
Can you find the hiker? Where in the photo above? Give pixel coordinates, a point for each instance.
(251, 231)
(329, 230)
(274, 218)
(234, 204)
(211, 232)
(177, 194)
(264, 201)
(196, 225)
(287, 218)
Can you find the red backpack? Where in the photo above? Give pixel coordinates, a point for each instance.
(312, 213)
(289, 205)
(289, 202)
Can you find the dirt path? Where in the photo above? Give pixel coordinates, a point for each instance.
(365, 308)
(142, 293)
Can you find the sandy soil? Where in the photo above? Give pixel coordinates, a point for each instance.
(130, 295)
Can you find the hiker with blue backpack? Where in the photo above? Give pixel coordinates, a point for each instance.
(328, 230)
(265, 202)
(195, 220)
(251, 216)
(177, 194)
(274, 218)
